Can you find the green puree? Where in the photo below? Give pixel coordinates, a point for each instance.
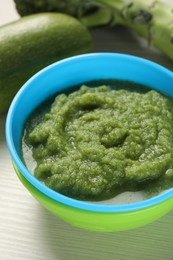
(97, 142)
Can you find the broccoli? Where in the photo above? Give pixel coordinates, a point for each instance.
(91, 12)
(151, 19)
(70, 7)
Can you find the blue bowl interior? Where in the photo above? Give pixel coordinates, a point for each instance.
(74, 71)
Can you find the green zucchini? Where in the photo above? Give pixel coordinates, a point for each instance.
(33, 42)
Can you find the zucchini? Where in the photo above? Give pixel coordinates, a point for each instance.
(33, 42)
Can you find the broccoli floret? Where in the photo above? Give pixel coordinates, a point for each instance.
(71, 7)
(89, 12)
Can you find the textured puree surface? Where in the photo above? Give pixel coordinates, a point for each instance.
(98, 142)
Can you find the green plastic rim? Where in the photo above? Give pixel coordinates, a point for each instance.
(99, 221)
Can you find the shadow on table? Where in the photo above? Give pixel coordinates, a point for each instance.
(66, 242)
(123, 40)
(2, 127)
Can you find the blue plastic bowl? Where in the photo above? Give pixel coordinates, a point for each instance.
(60, 76)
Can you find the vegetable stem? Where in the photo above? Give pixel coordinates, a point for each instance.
(150, 19)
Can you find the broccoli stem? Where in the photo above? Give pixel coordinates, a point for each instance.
(102, 16)
(148, 18)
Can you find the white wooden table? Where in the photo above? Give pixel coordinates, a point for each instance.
(28, 231)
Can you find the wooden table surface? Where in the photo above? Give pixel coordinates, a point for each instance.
(30, 232)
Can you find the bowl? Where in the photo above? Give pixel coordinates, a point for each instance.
(58, 77)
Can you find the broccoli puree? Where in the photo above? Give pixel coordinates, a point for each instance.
(97, 142)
